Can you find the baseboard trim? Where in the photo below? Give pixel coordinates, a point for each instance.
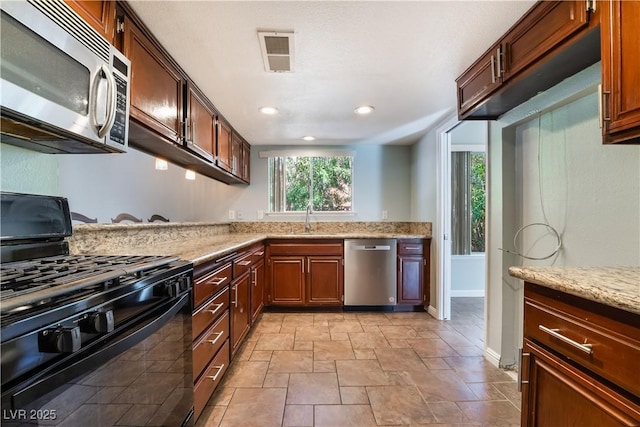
(492, 357)
(433, 312)
(467, 293)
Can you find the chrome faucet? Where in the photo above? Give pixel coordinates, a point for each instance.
(307, 223)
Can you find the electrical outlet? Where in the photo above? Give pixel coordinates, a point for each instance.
(239, 215)
(260, 214)
(385, 214)
(232, 214)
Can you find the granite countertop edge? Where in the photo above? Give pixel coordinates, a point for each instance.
(617, 287)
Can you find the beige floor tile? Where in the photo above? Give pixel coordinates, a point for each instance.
(469, 351)
(437, 386)
(454, 339)
(435, 363)
(313, 389)
(426, 334)
(260, 407)
(298, 416)
(222, 396)
(373, 319)
(354, 396)
(324, 318)
(291, 361)
(366, 353)
(297, 320)
(485, 374)
(491, 413)
(368, 340)
(433, 348)
(261, 355)
(245, 351)
(345, 326)
(393, 405)
(399, 359)
(344, 416)
(510, 390)
(399, 343)
(398, 332)
(275, 342)
(339, 336)
(246, 374)
(332, 350)
(211, 416)
(276, 380)
(447, 412)
(267, 327)
(312, 333)
(289, 329)
(486, 391)
(324, 366)
(360, 373)
(303, 345)
(370, 328)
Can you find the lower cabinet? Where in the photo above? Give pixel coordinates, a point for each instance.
(303, 273)
(257, 289)
(240, 310)
(413, 272)
(579, 362)
(206, 384)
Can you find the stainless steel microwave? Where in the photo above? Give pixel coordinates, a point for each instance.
(63, 87)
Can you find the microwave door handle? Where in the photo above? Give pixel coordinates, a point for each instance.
(111, 101)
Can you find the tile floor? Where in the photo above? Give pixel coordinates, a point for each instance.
(365, 369)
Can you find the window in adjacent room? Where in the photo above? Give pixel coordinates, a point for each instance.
(468, 171)
(324, 182)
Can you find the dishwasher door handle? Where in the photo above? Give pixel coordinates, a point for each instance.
(373, 248)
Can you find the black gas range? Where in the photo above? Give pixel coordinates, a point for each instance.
(99, 337)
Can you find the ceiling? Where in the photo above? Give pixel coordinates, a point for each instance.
(400, 57)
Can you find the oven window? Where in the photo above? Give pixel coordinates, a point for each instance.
(149, 384)
(29, 61)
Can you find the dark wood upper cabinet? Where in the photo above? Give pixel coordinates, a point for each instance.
(552, 41)
(246, 162)
(236, 154)
(223, 148)
(199, 122)
(156, 85)
(620, 71)
(100, 14)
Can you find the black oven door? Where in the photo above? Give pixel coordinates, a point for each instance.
(142, 377)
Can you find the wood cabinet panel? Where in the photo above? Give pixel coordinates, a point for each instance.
(200, 124)
(558, 394)
(209, 343)
(620, 75)
(209, 312)
(287, 280)
(236, 154)
(207, 285)
(325, 280)
(240, 310)
(306, 247)
(210, 379)
(223, 147)
(156, 86)
(100, 14)
(257, 289)
(479, 81)
(410, 279)
(246, 162)
(545, 26)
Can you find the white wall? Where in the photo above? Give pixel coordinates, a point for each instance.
(591, 193)
(105, 185)
(468, 275)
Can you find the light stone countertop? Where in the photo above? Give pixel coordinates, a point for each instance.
(617, 287)
(207, 248)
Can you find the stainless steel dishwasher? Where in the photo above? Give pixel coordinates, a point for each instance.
(370, 272)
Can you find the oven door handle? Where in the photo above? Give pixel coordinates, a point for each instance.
(52, 380)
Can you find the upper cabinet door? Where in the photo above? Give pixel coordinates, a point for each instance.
(156, 85)
(546, 26)
(200, 124)
(246, 162)
(236, 154)
(479, 81)
(621, 71)
(101, 15)
(223, 149)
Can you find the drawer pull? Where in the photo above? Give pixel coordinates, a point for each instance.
(243, 263)
(218, 335)
(218, 306)
(259, 253)
(215, 377)
(218, 282)
(412, 248)
(554, 333)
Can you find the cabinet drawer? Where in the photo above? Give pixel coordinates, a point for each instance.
(410, 248)
(257, 255)
(209, 344)
(209, 312)
(316, 247)
(566, 329)
(210, 379)
(211, 283)
(241, 265)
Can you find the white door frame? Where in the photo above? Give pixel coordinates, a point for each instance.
(442, 230)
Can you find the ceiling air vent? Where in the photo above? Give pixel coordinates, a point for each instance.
(277, 51)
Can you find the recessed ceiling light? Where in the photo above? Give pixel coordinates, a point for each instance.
(268, 110)
(364, 109)
(309, 138)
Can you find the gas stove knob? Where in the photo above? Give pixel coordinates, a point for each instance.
(172, 289)
(59, 340)
(98, 322)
